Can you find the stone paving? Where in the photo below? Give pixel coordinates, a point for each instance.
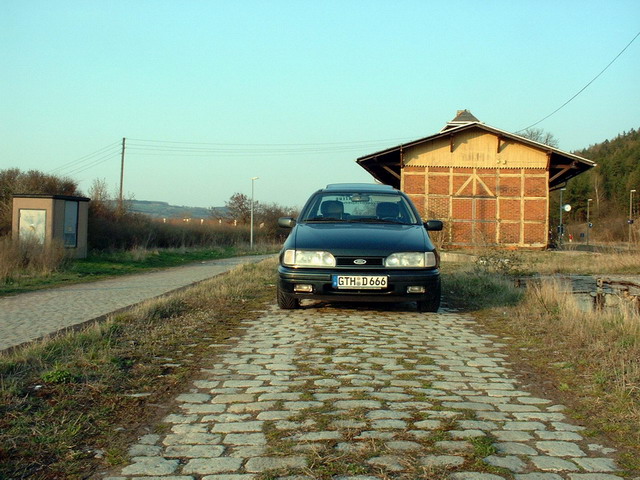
(358, 394)
(30, 316)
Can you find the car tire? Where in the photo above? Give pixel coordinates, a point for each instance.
(433, 303)
(286, 302)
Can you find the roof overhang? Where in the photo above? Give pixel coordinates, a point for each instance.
(386, 165)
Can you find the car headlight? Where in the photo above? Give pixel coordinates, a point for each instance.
(307, 258)
(411, 259)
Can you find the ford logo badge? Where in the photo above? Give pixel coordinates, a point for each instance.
(360, 261)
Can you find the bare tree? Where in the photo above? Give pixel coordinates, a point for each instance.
(239, 207)
(540, 136)
(100, 197)
(267, 215)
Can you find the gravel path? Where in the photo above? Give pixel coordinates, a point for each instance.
(357, 394)
(30, 316)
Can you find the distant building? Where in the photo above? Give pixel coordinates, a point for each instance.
(491, 187)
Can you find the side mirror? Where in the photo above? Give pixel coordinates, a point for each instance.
(286, 222)
(433, 225)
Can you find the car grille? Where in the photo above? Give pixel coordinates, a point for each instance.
(349, 262)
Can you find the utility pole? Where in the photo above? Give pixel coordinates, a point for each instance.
(253, 179)
(589, 200)
(121, 198)
(630, 221)
(561, 227)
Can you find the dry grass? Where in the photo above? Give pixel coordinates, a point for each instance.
(29, 258)
(609, 338)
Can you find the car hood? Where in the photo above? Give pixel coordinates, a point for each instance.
(360, 238)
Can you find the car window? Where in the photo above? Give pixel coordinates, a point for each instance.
(358, 207)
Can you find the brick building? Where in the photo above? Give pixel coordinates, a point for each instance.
(491, 187)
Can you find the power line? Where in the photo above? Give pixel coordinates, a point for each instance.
(583, 88)
(95, 162)
(146, 147)
(86, 158)
(318, 144)
(232, 152)
(200, 149)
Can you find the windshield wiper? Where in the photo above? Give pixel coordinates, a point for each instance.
(376, 220)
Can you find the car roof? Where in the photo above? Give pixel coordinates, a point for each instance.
(359, 187)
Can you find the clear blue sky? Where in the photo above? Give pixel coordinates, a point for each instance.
(294, 91)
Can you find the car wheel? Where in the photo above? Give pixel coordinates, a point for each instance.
(286, 302)
(433, 303)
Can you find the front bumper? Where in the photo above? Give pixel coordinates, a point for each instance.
(396, 290)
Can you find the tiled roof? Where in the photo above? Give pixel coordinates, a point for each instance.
(463, 117)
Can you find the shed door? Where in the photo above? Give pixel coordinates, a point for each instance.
(70, 224)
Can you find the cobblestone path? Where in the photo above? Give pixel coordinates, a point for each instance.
(357, 394)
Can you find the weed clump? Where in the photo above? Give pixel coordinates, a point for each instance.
(59, 375)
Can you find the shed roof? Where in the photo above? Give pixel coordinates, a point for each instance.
(51, 196)
(385, 165)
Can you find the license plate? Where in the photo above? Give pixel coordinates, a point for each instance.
(359, 282)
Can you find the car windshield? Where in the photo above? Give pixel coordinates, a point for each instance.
(359, 207)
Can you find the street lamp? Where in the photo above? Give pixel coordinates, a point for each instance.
(631, 192)
(588, 223)
(253, 179)
(560, 227)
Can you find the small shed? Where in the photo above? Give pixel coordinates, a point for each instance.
(491, 187)
(48, 218)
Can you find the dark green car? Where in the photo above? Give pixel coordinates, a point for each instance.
(359, 242)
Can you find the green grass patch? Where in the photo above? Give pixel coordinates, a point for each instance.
(477, 290)
(483, 446)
